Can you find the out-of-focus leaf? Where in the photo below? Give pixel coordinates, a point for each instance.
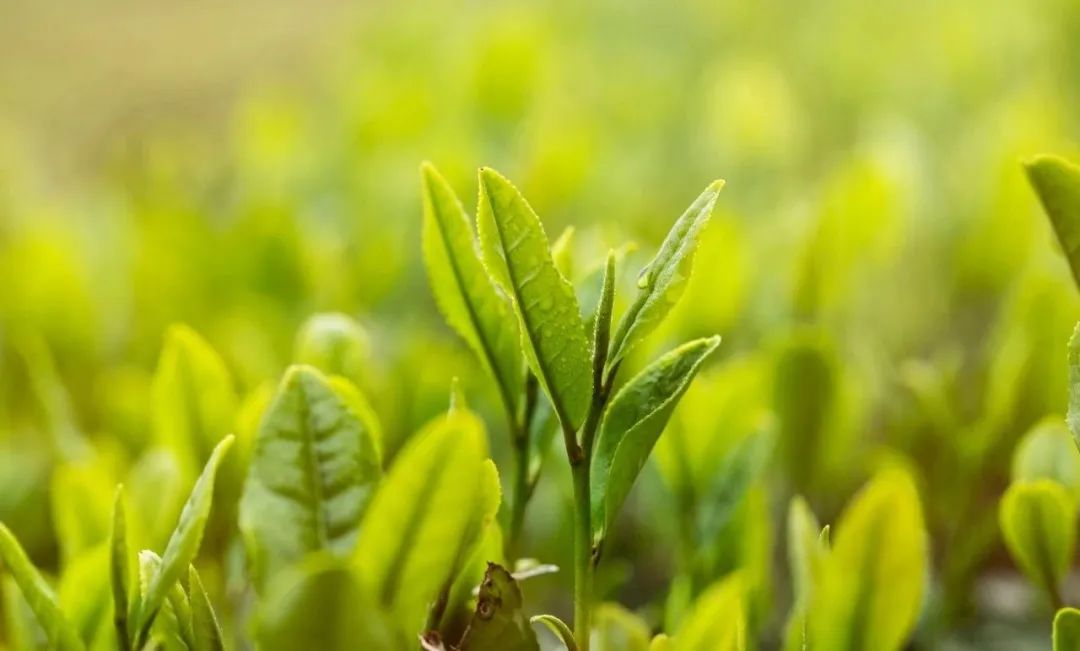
(333, 343)
(660, 643)
(120, 570)
(58, 630)
(499, 623)
(426, 517)
(320, 604)
(471, 302)
(193, 403)
(662, 282)
(21, 629)
(716, 621)
(52, 397)
(634, 421)
(1038, 520)
(806, 552)
(157, 488)
(83, 593)
(205, 629)
(1048, 452)
(738, 471)
(1067, 630)
(1057, 182)
(562, 253)
(183, 544)
(459, 609)
(1073, 415)
(870, 587)
(617, 629)
(313, 470)
(805, 389)
(558, 628)
(81, 498)
(552, 330)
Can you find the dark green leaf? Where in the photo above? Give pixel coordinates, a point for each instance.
(499, 623)
(553, 332)
(634, 421)
(662, 282)
(1057, 182)
(314, 468)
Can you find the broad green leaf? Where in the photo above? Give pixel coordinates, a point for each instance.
(870, 587)
(82, 593)
(663, 280)
(58, 630)
(558, 628)
(425, 516)
(333, 343)
(471, 302)
(617, 629)
(1057, 182)
(120, 569)
(81, 496)
(1072, 418)
(552, 330)
(1038, 520)
(314, 468)
(716, 621)
(499, 623)
(634, 421)
(204, 623)
(183, 544)
(1067, 630)
(1048, 452)
(193, 401)
(320, 604)
(804, 394)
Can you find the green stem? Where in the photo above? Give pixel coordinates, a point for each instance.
(520, 434)
(583, 556)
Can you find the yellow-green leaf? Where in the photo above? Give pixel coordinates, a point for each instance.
(1038, 520)
(1073, 416)
(206, 632)
(1057, 182)
(120, 569)
(870, 587)
(552, 331)
(1067, 630)
(472, 303)
(333, 343)
(617, 629)
(1048, 452)
(314, 467)
(716, 621)
(58, 630)
(634, 421)
(662, 282)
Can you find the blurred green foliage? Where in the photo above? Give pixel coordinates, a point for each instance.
(887, 289)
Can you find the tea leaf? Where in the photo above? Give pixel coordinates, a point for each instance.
(806, 553)
(321, 604)
(333, 343)
(617, 629)
(634, 421)
(870, 587)
(662, 282)
(805, 392)
(184, 543)
(428, 511)
(193, 401)
(80, 500)
(716, 621)
(164, 630)
(83, 594)
(314, 468)
(1067, 630)
(559, 628)
(471, 302)
(1038, 520)
(499, 624)
(1048, 452)
(553, 332)
(660, 643)
(1072, 418)
(206, 631)
(1057, 182)
(120, 569)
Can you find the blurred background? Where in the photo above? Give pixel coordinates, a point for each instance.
(885, 283)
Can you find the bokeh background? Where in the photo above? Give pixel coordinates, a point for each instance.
(881, 273)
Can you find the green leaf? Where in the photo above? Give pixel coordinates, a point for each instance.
(716, 621)
(499, 623)
(634, 421)
(83, 595)
(617, 629)
(81, 499)
(804, 393)
(871, 584)
(662, 282)
(1072, 418)
(183, 544)
(558, 628)
(314, 468)
(602, 319)
(426, 517)
(1048, 452)
(120, 569)
(321, 604)
(21, 629)
(193, 401)
(741, 466)
(165, 629)
(1038, 520)
(206, 631)
(562, 253)
(1067, 630)
(471, 302)
(334, 344)
(660, 643)
(806, 553)
(59, 632)
(552, 330)
(1057, 182)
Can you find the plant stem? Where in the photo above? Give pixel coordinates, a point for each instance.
(583, 556)
(520, 435)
